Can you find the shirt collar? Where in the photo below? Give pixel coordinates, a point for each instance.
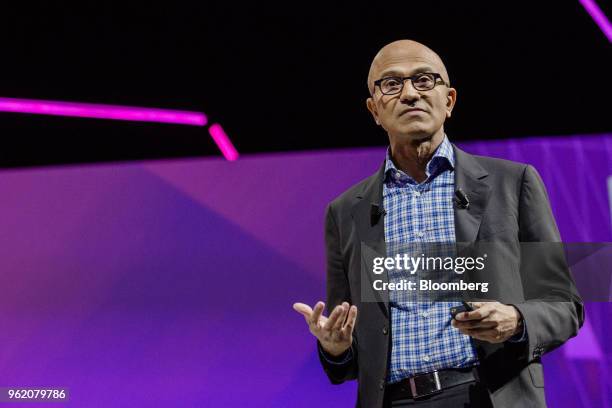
(442, 159)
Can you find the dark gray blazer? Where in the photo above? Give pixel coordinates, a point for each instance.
(508, 202)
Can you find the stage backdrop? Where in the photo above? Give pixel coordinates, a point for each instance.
(170, 283)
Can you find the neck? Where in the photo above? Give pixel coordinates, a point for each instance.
(412, 157)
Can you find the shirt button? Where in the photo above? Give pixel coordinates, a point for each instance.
(424, 314)
(398, 176)
(426, 358)
(421, 233)
(417, 194)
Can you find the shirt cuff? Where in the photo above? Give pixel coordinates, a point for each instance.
(341, 359)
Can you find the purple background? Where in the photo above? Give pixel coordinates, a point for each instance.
(170, 283)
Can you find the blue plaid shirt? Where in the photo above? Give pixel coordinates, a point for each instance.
(423, 339)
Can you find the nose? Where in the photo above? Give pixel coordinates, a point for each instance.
(409, 94)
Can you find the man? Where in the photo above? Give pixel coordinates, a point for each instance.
(404, 354)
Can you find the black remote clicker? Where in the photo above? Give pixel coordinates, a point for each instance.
(465, 307)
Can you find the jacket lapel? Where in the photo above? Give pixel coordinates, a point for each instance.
(470, 177)
(368, 214)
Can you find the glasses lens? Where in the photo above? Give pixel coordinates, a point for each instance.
(424, 82)
(391, 85)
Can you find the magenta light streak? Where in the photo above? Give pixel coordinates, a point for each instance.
(137, 114)
(598, 16)
(224, 143)
(98, 111)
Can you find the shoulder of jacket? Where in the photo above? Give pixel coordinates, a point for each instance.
(348, 196)
(498, 166)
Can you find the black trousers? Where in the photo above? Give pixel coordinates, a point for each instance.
(468, 395)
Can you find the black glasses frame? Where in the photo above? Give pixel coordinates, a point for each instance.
(412, 78)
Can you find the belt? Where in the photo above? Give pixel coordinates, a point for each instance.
(422, 385)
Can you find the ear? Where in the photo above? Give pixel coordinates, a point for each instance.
(372, 108)
(451, 99)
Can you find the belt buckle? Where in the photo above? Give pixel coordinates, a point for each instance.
(425, 384)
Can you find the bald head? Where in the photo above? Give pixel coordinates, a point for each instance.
(404, 50)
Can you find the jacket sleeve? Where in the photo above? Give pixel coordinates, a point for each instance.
(553, 311)
(338, 290)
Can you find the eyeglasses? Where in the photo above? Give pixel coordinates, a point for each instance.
(421, 82)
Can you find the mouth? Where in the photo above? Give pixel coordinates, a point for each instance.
(411, 111)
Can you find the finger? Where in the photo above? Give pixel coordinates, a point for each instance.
(331, 321)
(350, 320)
(341, 318)
(347, 306)
(477, 314)
(492, 336)
(316, 314)
(475, 327)
(477, 334)
(492, 333)
(476, 330)
(474, 324)
(303, 309)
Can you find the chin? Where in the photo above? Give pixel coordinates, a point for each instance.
(415, 134)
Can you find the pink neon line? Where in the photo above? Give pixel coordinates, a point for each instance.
(598, 16)
(98, 111)
(224, 143)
